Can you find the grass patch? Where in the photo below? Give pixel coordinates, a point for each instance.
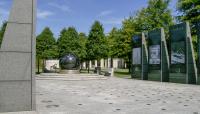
(85, 71)
(122, 73)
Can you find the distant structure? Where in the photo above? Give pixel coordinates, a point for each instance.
(17, 59)
(51, 66)
(117, 63)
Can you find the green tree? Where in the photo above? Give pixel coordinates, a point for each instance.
(96, 46)
(112, 39)
(157, 14)
(68, 42)
(82, 50)
(190, 11)
(127, 31)
(125, 39)
(122, 45)
(112, 42)
(60, 40)
(2, 31)
(46, 47)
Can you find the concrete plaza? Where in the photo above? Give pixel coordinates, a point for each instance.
(115, 96)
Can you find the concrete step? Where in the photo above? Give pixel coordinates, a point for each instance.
(27, 112)
(57, 74)
(70, 77)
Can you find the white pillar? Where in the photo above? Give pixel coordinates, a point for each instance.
(95, 63)
(90, 64)
(84, 64)
(109, 62)
(114, 63)
(106, 63)
(102, 63)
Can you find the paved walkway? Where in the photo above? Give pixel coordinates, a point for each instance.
(116, 96)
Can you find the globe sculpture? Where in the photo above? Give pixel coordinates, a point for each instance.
(69, 64)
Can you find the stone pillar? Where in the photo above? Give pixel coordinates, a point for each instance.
(90, 64)
(144, 58)
(102, 63)
(114, 63)
(109, 62)
(84, 65)
(95, 63)
(115, 60)
(191, 76)
(106, 63)
(164, 58)
(17, 59)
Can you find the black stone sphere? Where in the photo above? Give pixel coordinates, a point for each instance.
(69, 62)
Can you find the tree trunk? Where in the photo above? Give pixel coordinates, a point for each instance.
(129, 65)
(98, 67)
(80, 66)
(98, 63)
(38, 65)
(111, 63)
(107, 62)
(88, 62)
(86, 67)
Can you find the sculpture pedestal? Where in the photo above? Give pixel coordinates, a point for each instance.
(69, 72)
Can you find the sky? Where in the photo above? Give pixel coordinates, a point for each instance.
(81, 14)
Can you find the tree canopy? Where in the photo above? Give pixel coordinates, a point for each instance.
(46, 45)
(190, 11)
(112, 42)
(82, 43)
(96, 45)
(157, 14)
(68, 42)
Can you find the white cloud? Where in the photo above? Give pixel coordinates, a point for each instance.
(64, 8)
(113, 21)
(105, 13)
(42, 14)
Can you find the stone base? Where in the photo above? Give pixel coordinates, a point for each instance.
(27, 112)
(69, 72)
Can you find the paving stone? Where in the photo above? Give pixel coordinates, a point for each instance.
(115, 95)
